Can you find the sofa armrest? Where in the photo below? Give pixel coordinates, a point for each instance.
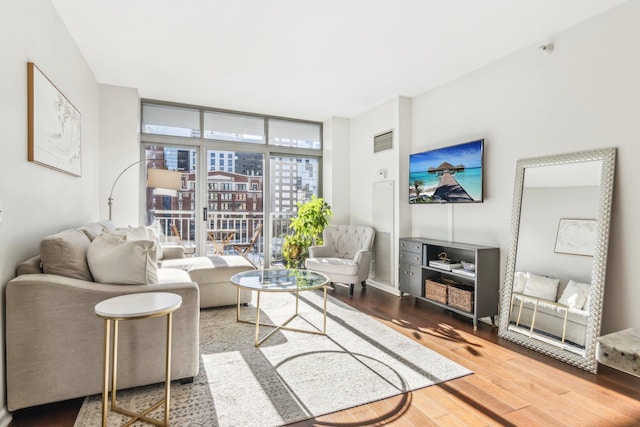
(323, 251)
(54, 340)
(32, 265)
(172, 252)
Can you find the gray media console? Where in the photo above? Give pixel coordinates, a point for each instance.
(418, 271)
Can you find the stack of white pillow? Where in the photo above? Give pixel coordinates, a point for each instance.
(574, 295)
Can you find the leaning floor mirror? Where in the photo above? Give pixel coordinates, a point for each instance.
(556, 263)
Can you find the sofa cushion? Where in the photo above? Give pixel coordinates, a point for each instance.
(214, 269)
(575, 294)
(65, 254)
(541, 287)
(114, 259)
(173, 275)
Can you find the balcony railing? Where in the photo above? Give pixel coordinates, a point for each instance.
(243, 224)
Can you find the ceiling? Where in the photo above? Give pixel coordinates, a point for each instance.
(307, 59)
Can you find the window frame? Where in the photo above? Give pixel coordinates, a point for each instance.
(201, 144)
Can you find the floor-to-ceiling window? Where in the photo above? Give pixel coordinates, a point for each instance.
(243, 175)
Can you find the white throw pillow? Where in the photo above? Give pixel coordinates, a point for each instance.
(541, 287)
(114, 259)
(519, 280)
(575, 294)
(141, 233)
(153, 236)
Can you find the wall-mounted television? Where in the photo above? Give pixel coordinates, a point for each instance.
(447, 175)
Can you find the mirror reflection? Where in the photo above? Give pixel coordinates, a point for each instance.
(552, 299)
(553, 264)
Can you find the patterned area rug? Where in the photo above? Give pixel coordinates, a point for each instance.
(292, 376)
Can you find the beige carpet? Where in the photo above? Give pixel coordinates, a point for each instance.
(292, 376)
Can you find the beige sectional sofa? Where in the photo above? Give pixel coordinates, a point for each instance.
(54, 340)
(213, 276)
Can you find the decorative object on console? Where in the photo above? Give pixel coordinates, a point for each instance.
(54, 126)
(547, 190)
(468, 266)
(447, 175)
(156, 178)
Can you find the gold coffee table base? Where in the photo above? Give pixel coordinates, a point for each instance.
(282, 326)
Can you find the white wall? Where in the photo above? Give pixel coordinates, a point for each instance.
(395, 115)
(120, 147)
(582, 96)
(335, 168)
(39, 201)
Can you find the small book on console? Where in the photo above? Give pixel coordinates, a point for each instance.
(464, 272)
(444, 265)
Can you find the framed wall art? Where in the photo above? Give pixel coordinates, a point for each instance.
(576, 236)
(54, 135)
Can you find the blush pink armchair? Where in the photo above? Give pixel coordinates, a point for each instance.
(345, 256)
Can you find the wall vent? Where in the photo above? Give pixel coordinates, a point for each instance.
(383, 142)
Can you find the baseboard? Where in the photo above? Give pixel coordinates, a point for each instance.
(5, 417)
(384, 287)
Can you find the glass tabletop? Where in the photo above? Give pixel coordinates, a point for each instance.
(283, 280)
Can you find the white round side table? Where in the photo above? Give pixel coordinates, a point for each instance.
(143, 305)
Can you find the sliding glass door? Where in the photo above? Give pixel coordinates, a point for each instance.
(172, 213)
(234, 204)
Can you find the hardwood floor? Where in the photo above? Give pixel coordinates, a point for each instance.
(511, 386)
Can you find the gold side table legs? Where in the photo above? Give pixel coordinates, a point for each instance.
(111, 361)
(283, 325)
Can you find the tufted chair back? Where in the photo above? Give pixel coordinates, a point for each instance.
(346, 240)
(345, 256)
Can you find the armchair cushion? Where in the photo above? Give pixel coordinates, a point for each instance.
(333, 265)
(321, 251)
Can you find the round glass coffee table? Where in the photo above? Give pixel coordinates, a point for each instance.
(280, 280)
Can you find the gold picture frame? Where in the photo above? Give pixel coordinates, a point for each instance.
(54, 126)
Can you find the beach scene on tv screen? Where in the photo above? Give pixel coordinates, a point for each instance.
(447, 175)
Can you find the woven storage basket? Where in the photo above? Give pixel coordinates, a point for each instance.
(461, 297)
(436, 291)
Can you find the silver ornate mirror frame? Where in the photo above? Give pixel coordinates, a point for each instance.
(588, 360)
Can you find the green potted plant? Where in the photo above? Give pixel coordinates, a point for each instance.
(313, 216)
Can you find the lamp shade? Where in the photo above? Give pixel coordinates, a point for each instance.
(162, 178)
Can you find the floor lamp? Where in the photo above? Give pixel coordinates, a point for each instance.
(156, 178)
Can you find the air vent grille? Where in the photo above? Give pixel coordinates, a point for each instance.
(383, 142)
